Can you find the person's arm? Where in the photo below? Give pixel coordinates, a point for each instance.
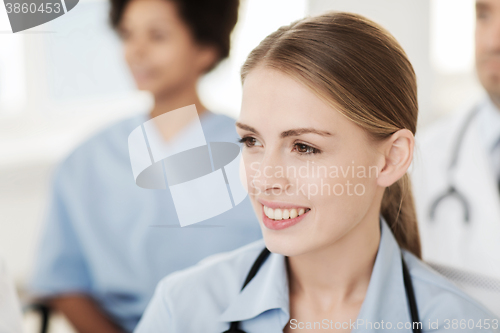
(84, 314)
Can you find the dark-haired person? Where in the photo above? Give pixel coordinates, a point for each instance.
(341, 246)
(103, 249)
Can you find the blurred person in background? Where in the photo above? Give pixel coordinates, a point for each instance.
(10, 309)
(456, 177)
(103, 250)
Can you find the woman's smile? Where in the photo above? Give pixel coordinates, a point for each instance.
(279, 215)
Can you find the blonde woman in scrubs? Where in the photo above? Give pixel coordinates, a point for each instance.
(326, 174)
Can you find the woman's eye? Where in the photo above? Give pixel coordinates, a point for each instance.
(481, 15)
(250, 141)
(302, 148)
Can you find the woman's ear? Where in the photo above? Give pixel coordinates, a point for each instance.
(397, 153)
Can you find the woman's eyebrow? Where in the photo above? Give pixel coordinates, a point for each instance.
(292, 132)
(481, 5)
(247, 128)
(300, 131)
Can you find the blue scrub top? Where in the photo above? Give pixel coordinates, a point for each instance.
(206, 297)
(109, 238)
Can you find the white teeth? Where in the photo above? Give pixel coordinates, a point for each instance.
(270, 213)
(279, 214)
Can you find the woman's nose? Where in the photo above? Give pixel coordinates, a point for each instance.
(270, 175)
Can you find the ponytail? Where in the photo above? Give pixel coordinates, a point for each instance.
(398, 210)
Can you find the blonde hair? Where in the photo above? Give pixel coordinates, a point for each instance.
(359, 68)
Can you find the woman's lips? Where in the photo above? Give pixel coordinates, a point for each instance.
(281, 224)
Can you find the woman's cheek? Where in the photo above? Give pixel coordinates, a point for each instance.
(333, 182)
(243, 174)
(248, 171)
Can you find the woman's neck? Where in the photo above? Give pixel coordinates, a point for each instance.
(172, 101)
(175, 99)
(340, 273)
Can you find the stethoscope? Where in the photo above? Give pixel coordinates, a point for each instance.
(410, 294)
(452, 191)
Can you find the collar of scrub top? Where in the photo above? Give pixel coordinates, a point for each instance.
(385, 298)
(490, 132)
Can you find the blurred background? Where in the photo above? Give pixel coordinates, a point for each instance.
(64, 80)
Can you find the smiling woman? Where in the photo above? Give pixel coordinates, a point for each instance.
(335, 90)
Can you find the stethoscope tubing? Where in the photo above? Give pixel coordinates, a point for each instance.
(410, 293)
(451, 190)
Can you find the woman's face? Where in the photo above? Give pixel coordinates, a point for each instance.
(305, 157)
(159, 47)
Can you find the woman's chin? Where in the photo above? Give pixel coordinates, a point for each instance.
(145, 87)
(148, 85)
(286, 245)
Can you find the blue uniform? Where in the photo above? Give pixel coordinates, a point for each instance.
(206, 297)
(109, 238)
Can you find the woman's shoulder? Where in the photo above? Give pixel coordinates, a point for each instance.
(439, 299)
(218, 275)
(202, 291)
